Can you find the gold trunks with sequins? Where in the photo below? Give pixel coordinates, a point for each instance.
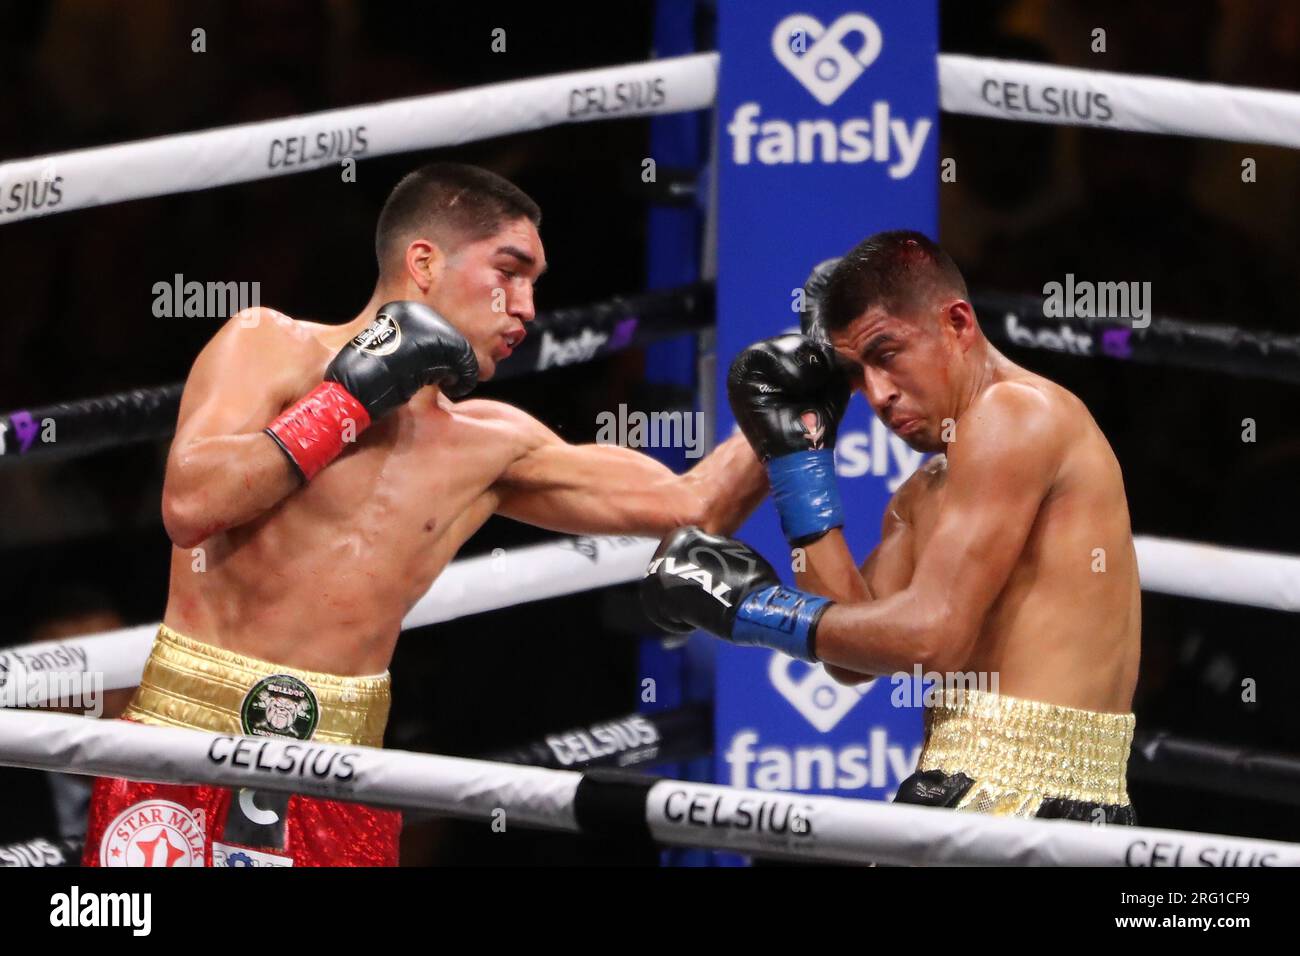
(187, 683)
(1022, 752)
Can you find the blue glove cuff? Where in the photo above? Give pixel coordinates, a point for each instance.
(781, 618)
(806, 494)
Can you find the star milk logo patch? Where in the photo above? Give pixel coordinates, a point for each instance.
(816, 56)
(154, 833)
(280, 706)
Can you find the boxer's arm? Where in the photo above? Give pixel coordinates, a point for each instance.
(887, 570)
(1000, 469)
(606, 489)
(223, 470)
(828, 567)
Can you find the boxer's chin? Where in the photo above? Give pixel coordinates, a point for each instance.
(487, 367)
(921, 441)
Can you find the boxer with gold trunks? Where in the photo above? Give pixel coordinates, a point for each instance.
(1008, 555)
(321, 478)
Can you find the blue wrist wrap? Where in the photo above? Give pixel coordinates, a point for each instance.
(806, 494)
(781, 618)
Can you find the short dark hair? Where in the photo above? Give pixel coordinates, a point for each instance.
(898, 270)
(463, 203)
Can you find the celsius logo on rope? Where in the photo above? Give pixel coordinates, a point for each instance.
(816, 56)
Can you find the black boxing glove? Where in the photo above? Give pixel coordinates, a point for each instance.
(699, 580)
(788, 394)
(406, 347)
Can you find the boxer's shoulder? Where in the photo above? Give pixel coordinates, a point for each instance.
(1016, 412)
(1036, 400)
(514, 427)
(262, 328)
(259, 342)
(260, 318)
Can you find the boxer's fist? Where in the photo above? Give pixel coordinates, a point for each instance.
(406, 347)
(698, 580)
(721, 585)
(788, 394)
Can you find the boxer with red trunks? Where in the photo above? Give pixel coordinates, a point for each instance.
(321, 478)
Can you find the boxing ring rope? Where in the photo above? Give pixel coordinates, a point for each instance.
(468, 586)
(234, 154)
(1017, 319)
(977, 86)
(584, 334)
(782, 825)
(1215, 573)
(685, 733)
(600, 329)
(566, 566)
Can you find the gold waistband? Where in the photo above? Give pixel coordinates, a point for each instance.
(1022, 752)
(187, 683)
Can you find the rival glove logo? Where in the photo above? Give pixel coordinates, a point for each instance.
(692, 572)
(815, 56)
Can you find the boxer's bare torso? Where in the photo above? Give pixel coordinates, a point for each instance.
(1064, 621)
(322, 577)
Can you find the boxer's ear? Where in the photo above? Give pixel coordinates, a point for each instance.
(425, 264)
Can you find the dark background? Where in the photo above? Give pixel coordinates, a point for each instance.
(81, 542)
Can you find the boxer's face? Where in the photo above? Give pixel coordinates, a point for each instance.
(908, 368)
(486, 291)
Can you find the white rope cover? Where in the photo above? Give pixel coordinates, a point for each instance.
(571, 565)
(847, 831)
(467, 586)
(678, 812)
(1037, 93)
(1211, 572)
(393, 778)
(1004, 89)
(297, 144)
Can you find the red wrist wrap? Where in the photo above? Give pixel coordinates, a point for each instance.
(311, 430)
